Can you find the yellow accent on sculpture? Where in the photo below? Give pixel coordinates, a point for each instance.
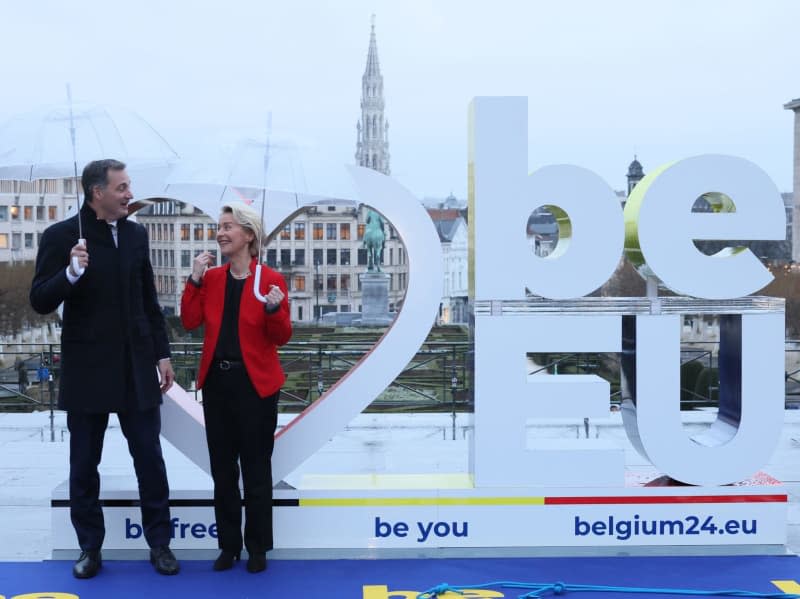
(564, 231)
(631, 215)
(719, 203)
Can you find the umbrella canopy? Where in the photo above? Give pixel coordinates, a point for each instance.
(282, 175)
(38, 144)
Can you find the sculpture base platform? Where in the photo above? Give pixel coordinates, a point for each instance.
(425, 515)
(375, 299)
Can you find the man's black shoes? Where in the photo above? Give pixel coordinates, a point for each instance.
(88, 564)
(164, 560)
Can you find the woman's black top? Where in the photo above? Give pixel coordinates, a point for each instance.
(228, 343)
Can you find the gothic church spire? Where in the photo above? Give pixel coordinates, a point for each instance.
(372, 130)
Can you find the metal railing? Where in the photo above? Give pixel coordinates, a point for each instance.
(438, 379)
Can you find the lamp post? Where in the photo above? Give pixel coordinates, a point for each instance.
(316, 291)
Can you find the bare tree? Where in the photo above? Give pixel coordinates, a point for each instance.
(16, 313)
(787, 286)
(625, 282)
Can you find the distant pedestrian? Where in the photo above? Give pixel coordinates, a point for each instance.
(22, 375)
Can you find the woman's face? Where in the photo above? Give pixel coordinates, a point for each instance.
(232, 238)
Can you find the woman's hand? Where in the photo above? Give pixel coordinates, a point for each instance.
(201, 264)
(274, 297)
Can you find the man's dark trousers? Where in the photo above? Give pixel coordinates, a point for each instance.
(141, 429)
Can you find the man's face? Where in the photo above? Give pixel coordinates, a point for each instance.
(111, 201)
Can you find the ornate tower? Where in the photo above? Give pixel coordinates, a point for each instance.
(372, 130)
(635, 174)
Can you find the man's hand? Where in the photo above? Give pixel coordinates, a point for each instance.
(78, 251)
(165, 374)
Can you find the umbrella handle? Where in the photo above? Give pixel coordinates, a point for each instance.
(77, 268)
(257, 286)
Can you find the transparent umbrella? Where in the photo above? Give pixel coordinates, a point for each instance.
(276, 178)
(283, 175)
(53, 141)
(38, 144)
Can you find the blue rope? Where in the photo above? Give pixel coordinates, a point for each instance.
(559, 588)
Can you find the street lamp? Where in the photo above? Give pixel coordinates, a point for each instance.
(316, 290)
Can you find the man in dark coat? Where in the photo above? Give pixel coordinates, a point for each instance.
(114, 350)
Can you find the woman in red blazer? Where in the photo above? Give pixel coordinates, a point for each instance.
(241, 377)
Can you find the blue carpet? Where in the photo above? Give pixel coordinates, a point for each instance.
(395, 579)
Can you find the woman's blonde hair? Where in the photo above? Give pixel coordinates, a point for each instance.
(248, 219)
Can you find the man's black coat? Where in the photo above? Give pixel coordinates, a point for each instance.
(111, 315)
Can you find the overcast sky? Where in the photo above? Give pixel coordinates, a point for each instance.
(605, 79)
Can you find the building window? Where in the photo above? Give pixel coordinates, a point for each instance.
(16, 241)
(67, 186)
(391, 256)
(14, 212)
(300, 231)
(52, 213)
(3, 241)
(299, 312)
(344, 231)
(272, 258)
(213, 256)
(331, 230)
(317, 231)
(3, 213)
(360, 230)
(331, 257)
(286, 258)
(185, 232)
(211, 232)
(345, 286)
(172, 231)
(186, 259)
(198, 232)
(299, 283)
(286, 232)
(362, 257)
(344, 257)
(331, 282)
(28, 241)
(27, 212)
(317, 256)
(299, 257)
(39, 212)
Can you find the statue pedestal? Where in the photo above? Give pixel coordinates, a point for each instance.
(375, 299)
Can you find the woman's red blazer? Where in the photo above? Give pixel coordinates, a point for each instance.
(260, 333)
